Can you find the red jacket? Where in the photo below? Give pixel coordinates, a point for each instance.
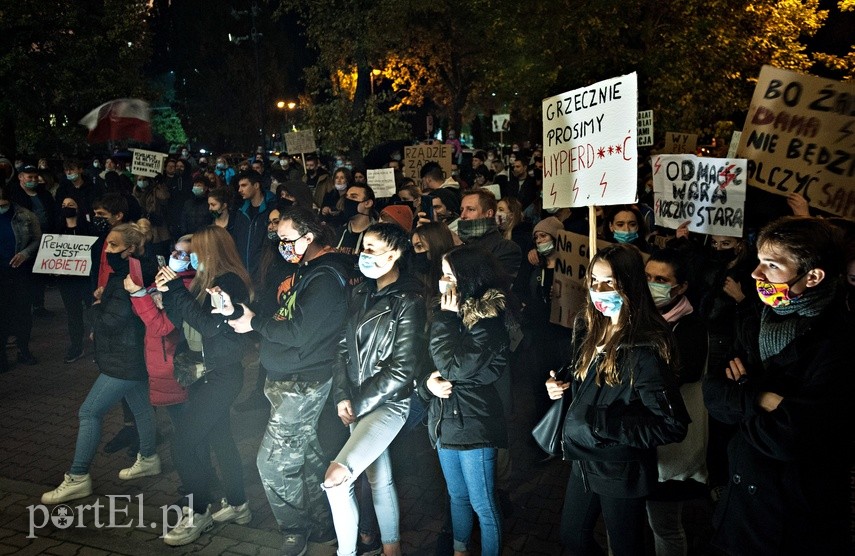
(161, 339)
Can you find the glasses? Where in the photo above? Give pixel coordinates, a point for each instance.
(291, 241)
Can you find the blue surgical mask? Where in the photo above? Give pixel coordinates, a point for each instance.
(5, 208)
(661, 293)
(142, 184)
(198, 191)
(194, 261)
(72, 177)
(368, 265)
(608, 303)
(30, 184)
(178, 265)
(625, 237)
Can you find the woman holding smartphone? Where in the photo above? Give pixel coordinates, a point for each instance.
(625, 404)
(207, 418)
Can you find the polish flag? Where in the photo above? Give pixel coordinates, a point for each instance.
(124, 118)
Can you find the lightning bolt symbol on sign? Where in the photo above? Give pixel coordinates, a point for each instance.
(604, 183)
(575, 191)
(727, 174)
(553, 193)
(657, 165)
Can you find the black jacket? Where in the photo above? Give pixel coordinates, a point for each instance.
(300, 341)
(383, 346)
(195, 215)
(223, 347)
(250, 233)
(119, 333)
(48, 222)
(789, 468)
(471, 351)
(506, 251)
(613, 431)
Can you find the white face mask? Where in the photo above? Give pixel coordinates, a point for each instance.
(444, 285)
(177, 265)
(368, 265)
(661, 293)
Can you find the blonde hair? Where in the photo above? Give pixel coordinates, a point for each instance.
(218, 255)
(135, 234)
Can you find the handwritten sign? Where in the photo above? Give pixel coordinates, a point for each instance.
(501, 122)
(417, 156)
(645, 128)
(799, 137)
(65, 254)
(680, 143)
(708, 192)
(734, 142)
(382, 182)
(298, 142)
(589, 145)
(569, 291)
(147, 163)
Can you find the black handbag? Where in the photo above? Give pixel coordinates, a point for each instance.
(547, 432)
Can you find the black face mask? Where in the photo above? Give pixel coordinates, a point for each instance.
(69, 212)
(119, 265)
(351, 208)
(286, 203)
(420, 263)
(723, 256)
(101, 225)
(273, 236)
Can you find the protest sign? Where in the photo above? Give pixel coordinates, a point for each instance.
(494, 189)
(734, 142)
(799, 137)
(589, 140)
(147, 163)
(65, 254)
(680, 143)
(645, 128)
(415, 157)
(501, 122)
(708, 192)
(569, 292)
(382, 182)
(300, 142)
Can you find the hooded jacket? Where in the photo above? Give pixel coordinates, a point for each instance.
(250, 234)
(383, 346)
(470, 349)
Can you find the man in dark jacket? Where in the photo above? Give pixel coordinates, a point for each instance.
(83, 190)
(298, 348)
(250, 222)
(477, 226)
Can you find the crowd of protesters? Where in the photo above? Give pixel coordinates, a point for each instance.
(697, 365)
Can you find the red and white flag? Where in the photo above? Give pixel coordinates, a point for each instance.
(124, 118)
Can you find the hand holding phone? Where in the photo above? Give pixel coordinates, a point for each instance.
(161, 262)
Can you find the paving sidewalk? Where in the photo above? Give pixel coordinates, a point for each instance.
(38, 427)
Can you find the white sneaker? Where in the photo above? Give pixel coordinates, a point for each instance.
(239, 514)
(143, 467)
(190, 528)
(72, 488)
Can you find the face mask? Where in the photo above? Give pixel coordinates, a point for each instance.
(142, 184)
(420, 263)
(273, 236)
(778, 295)
(368, 266)
(545, 249)
(722, 256)
(178, 265)
(340, 187)
(184, 154)
(4, 209)
(194, 261)
(118, 264)
(221, 166)
(625, 237)
(351, 208)
(216, 213)
(471, 229)
(502, 219)
(444, 285)
(553, 210)
(72, 177)
(96, 164)
(30, 184)
(101, 225)
(661, 293)
(69, 212)
(288, 250)
(198, 191)
(608, 303)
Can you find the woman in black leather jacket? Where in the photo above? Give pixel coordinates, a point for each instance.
(382, 349)
(625, 403)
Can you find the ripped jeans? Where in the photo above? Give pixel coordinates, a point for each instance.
(290, 460)
(367, 450)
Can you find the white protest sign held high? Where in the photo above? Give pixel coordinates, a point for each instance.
(589, 145)
(734, 142)
(645, 128)
(799, 137)
(708, 192)
(680, 143)
(382, 182)
(65, 254)
(147, 163)
(417, 156)
(501, 122)
(300, 142)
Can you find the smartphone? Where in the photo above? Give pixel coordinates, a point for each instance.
(427, 207)
(161, 262)
(217, 300)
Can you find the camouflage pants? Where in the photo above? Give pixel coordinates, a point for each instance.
(290, 461)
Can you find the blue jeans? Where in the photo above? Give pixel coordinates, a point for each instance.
(104, 394)
(470, 478)
(367, 450)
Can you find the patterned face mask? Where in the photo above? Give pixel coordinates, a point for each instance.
(778, 294)
(608, 303)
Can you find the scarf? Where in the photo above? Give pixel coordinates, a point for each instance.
(781, 325)
(678, 311)
(471, 229)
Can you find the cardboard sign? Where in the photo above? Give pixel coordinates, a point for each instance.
(589, 145)
(494, 189)
(147, 163)
(501, 122)
(799, 137)
(680, 143)
(569, 292)
(708, 192)
(299, 142)
(417, 156)
(734, 142)
(65, 254)
(382, 181)
(645, 128)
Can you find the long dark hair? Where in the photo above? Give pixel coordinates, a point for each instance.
(639, 321)
(440, 241)
(476, 271)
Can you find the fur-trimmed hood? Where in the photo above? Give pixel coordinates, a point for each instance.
(489, 305)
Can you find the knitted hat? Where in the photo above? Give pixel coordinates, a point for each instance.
(549, 226)
(401, 215)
